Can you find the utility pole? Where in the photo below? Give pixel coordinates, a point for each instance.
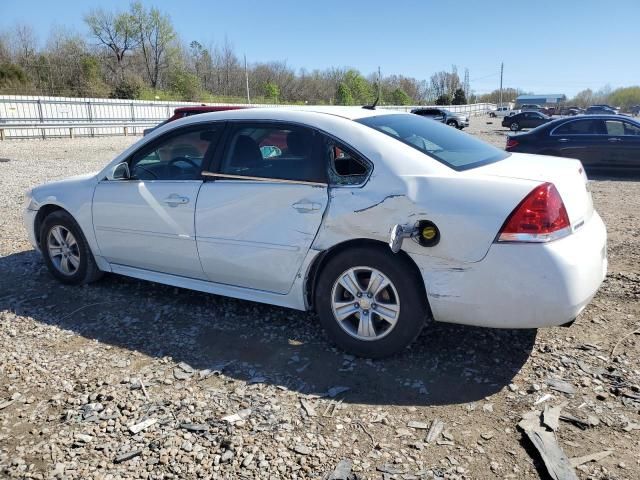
(501, 72)
(466, 85)
(246, 77)
(379, 84)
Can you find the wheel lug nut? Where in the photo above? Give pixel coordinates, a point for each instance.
(369, 295)
(373, 306)
(366, 312)
(356, 304)
(359, 295)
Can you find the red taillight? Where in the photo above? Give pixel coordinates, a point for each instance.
(511, 143)
(540, 217)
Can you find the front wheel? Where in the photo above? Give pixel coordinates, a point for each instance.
(370, 302)
(452, 123)
(515, 126)
(65, 250)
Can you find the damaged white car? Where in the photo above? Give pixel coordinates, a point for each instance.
(378, 220)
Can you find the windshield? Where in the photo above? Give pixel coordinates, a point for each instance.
(441, 142)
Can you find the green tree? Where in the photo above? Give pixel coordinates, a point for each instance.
(625, 98)
(343, 95)
(459, 98)
(400, 97)
(128, 89)
(185, 84)
(271, 91)
(361, 90)
(443, 100)
(13, 78)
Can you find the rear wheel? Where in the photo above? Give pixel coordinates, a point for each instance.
(515, 126)
(452, 123)
(65, 250)
(492, 115)
(370, 302)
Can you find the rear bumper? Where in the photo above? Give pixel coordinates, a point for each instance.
(522, 285)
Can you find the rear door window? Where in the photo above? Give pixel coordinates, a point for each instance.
(580, 127)
(284, 152)
(345, 166)
(619, 128)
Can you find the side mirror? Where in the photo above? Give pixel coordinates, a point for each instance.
(120, 172)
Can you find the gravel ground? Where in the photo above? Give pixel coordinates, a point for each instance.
(129, 379)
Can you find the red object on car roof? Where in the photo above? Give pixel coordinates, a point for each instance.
(182, 112)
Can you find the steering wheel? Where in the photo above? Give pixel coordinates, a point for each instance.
(183, 159)
(146, 170)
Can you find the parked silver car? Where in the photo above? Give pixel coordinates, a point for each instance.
(443, 115)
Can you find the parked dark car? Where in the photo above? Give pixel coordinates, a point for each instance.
(603, 143)
(443, 115)
(525, 120)
(600, 110)
(182, 112)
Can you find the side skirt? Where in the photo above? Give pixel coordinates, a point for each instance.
(295, 299)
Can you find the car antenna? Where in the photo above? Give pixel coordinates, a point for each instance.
(378, 83)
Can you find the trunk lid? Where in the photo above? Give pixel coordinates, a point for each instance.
(565, 173)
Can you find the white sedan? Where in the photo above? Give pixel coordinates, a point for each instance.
(378, 220)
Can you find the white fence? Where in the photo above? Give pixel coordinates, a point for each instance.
(43, 117)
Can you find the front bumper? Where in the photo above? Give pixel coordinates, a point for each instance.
(29, 220)
(521, 285)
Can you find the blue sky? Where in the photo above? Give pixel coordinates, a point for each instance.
(547, 46)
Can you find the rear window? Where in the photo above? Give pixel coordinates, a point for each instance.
(447, 145)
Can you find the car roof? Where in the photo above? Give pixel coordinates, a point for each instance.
(292, 112)
(590, 117)
(208, 108)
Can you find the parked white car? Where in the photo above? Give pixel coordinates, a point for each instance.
(503, 112)
(377, 220)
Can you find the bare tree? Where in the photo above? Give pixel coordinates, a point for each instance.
(24, 44)
(114, 31)
(155, 37)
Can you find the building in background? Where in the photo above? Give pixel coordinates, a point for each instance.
(549, 100)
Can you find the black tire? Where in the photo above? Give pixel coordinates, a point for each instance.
(452, 123)
(492, 115)
(514, 127)
(87, 270)
(413, 311)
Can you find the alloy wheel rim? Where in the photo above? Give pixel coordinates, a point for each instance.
(365, 303)
(64, 250)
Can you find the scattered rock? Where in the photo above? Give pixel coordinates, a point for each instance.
(301, 449)
(437, 426)
(138, 427)
(561, 386)
(123, 457)
(593, 457)
(236, 417)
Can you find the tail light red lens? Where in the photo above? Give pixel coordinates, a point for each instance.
(511, 143)
(540, 217)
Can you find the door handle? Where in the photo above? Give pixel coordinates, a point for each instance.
(303, 207)
(174, 200)
(614, 140)
(563, 140)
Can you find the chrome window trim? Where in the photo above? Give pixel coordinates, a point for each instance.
(261, 179)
